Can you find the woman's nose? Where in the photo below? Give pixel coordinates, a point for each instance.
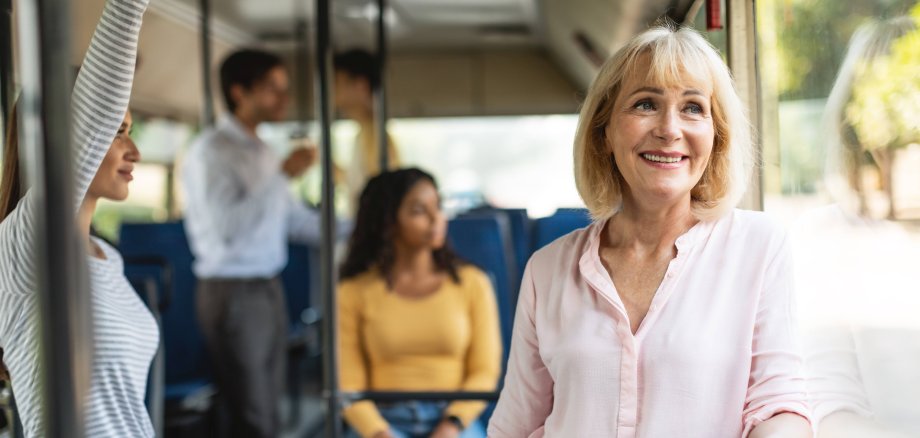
(668, 127)
(134, 154)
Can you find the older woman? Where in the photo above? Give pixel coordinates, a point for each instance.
(671, 314)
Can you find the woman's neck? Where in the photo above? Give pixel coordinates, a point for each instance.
(637, 225)
(415, 261)
(85, 221)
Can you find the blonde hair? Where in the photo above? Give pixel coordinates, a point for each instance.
(674, 54)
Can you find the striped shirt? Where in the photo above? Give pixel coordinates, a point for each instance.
(125, 334)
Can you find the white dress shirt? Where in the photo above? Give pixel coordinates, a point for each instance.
(240, 213)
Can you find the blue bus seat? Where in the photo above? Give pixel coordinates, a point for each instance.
(297, 284)
(520, 225)
(520, 238)
(562, 222)
(484, 240)
(186, 369)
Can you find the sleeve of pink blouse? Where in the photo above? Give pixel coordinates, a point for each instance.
(527, 397)
(834, 380)
(777, 383)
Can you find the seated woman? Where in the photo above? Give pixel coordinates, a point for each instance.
(412, 317)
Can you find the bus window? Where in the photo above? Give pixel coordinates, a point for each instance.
(841, 135)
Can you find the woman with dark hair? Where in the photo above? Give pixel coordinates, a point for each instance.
(125, 335)
(412, 316)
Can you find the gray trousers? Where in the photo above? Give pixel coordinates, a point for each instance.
(244, 322)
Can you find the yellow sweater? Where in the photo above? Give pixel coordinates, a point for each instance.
(446, 341)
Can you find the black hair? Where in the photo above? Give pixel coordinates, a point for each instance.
(371, 243)
(245, 67)
(359, 63)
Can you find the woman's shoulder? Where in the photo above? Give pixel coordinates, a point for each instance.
(471, 275)
(754, 230)
(475, 284)
(360, 282)
(754, 223)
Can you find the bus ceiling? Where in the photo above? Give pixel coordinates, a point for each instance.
(446, 57)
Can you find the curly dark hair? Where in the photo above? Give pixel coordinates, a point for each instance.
(371, 243)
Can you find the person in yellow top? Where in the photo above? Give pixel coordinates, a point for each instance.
(412, 316)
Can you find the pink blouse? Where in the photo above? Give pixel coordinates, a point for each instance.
(715, 355)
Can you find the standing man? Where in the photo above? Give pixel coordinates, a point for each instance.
(239, 218)
(357, 74)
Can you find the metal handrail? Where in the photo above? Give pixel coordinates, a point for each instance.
(393, 396)
(327, 262)
(60, 271)
(380, 89)
(207, 107)
(6, 62)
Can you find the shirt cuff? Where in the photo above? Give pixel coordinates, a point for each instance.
(769, 412)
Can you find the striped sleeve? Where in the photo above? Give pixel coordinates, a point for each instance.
(100, 100)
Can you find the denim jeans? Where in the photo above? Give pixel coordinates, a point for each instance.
(417, 419)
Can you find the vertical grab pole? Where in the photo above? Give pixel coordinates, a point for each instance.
(327, 274)
(64, 311)
(6, 63)
(380, 95)
(301, 72)
(207, 109)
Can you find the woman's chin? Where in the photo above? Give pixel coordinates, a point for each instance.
(664, 195)
(117, 196)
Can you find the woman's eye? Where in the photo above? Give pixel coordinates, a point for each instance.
(694, 108)
(644, 105)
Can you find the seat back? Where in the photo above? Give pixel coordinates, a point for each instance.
(185, 354)
(297, 283)
(484, 240)
(562, 222)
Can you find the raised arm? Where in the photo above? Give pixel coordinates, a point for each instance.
(103, 87)
(100, 100)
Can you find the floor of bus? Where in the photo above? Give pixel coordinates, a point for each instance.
(309, 420)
